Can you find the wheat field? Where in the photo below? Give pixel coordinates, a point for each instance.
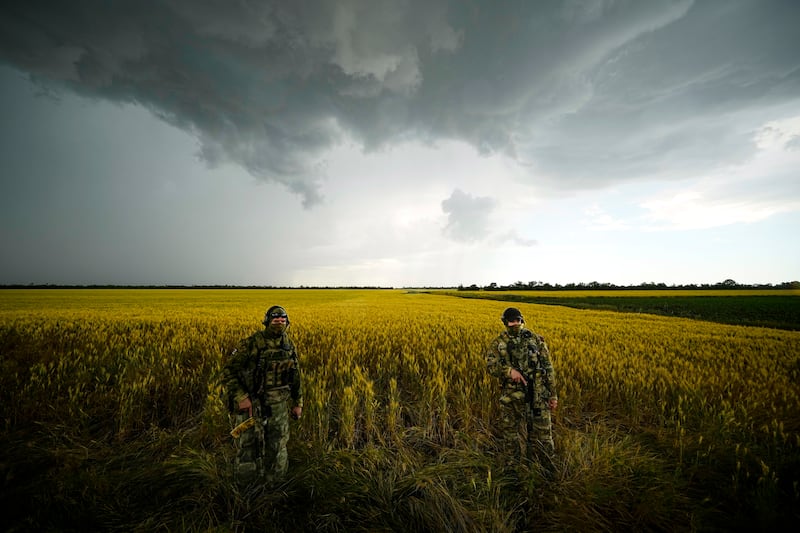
(663, 423)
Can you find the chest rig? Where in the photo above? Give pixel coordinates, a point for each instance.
(521, 352)
(274, 363)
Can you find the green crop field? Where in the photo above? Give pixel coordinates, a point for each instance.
(765, 308)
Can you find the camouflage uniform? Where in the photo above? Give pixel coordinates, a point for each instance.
(525, 425)
(265, 369)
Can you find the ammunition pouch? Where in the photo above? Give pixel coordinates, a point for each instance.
(287, 376)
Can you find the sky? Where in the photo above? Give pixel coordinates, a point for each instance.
(399, 142)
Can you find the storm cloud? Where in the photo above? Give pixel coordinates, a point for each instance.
(467, 216)
(593, 92)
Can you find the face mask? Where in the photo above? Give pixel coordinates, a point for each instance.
(514, 330)
(276, 329)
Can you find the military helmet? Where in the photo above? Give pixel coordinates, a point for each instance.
(275, 311)
(512, 313)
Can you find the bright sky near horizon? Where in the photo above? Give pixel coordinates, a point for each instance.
(399, 143)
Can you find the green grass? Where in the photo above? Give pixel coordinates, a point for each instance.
(169, 480)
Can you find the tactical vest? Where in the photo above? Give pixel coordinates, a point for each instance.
(269, 379)
(521, 352)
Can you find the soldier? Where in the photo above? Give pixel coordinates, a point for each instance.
(261, 376)
(519, 358)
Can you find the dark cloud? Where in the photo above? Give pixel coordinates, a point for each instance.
(467, 216)
(588, 91)
(682, 99)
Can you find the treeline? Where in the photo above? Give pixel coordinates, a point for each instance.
(596, 286)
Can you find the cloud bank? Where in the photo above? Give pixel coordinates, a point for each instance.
(584, 94)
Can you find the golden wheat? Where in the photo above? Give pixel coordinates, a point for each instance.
(379, 365)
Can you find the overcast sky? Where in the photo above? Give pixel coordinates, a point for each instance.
(399, 143)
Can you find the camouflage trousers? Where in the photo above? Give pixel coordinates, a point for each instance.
(261, 455)
(525, 431)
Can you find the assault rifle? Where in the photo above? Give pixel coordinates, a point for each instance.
(530, 391)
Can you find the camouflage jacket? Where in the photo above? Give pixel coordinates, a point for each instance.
(263, 367)
(528, 353)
